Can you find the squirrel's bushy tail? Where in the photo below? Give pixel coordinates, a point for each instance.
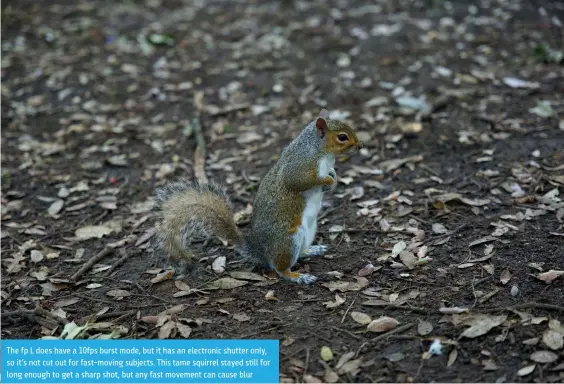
(188, 211)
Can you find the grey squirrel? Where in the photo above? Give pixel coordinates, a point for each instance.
(285, 210)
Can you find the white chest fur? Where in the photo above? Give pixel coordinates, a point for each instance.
(313, 200)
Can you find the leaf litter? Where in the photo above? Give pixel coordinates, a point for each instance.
(445, 189)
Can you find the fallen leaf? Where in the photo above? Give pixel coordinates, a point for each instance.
(326, 353)
(218, 264)
(553, 339)
(452, 310)
(241, 317)
(526, 370)
(330, 376)
(36, 256)
(544, 357)
(439, 228)
(118, 294)
(367, 270)
(166, 329)
(333, 304)
(55, 207)
(183, 329)
(505, 277)
(242, 275)
(452, 357)
(270, 296)
(481, 324)
(163, 276)
(552, 274)
(344, 286)
(382, 324)
(361, 318)
(424, 328)
(92, 231)
(66, 302)
(408, 259)
(226, 283)
(398, 248)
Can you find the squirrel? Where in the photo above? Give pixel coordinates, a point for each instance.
(284, 219)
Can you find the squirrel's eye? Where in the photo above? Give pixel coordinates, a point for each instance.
(342, 137)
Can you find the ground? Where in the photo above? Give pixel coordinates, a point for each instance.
(449, 222)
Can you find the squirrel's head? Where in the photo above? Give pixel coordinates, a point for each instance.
(338, 138)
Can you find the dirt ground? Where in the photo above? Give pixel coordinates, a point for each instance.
(449, 223)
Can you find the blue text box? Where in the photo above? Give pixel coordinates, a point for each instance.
(134, 361)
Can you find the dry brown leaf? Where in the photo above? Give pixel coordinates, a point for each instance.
(481, 324)
(408, 259)
(242, 275)
(166, 329)
(351, 367)
(505, 277)
(544, 357)
(270, 296)
(361, 318)
(118, 294)
(183, 329)
(241, 317)
(226, 283)
(36, 256)
(311, 379)
(526, 370)
(452, 357)
(382, 324)
(344, 286)
(452, 310)
(218, 265)
(344, 359)
(424, 328)
(334, 304)
(66, 302)
(163, 276)
(547, 277)
(330, 376)
(553, 339)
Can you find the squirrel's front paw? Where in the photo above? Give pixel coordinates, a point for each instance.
(332, 174)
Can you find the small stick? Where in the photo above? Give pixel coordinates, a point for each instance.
(349, 308)
(306, 363)
(347, 332)
(124, 256)
(527, 305)
(393, 331)
(93, 260)
(38, 311)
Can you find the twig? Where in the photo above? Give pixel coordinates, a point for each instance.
(93, 260)
(306, 364)
(420, 310)
(349, 308)
(393, 331)
(124, 256)
(347, 332)
(527, 305)
(103, 316)
(38, 311)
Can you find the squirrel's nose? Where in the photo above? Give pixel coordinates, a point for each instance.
(360, 145)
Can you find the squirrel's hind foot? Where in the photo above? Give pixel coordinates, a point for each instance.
(306, 278)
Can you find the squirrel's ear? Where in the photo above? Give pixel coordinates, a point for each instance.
(321, 127)
(324, 114)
